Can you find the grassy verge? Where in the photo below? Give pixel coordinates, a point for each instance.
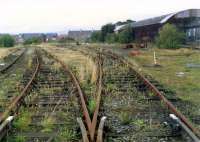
(174, 70)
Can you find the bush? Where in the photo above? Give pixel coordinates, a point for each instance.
(33, 40)
(105, 30)
(7, 41)
(92, 106)
(66, 40)
(101, 36)
(19, 139)
(107, 34)
(111, 38)
(127, 35)
(22, 122)
(170, 37)
(96, 36)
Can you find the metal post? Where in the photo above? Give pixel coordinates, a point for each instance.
(154, 56)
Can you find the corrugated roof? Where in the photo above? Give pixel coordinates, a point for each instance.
(164, 18)
(152, 21)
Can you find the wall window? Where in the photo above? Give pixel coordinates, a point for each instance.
(193, 34)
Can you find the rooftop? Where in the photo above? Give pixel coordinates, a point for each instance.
(164, 18)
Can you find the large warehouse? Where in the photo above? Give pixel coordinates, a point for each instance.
(187, 21)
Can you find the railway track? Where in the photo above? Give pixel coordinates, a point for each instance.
(51, 108)
(134, 103)
(10, 78)
(136, 110)
(15, 97)
(154, 102)
(11, 60)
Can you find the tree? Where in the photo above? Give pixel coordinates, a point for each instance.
(7, 41)
(128, 21)
(107, 29)
(169, 37)
(111, 38)
(127, 35)
(96, 36)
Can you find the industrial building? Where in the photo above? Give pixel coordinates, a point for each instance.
(80, 35)
(187, 21)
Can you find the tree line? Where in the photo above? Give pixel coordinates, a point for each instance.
(107, 34)
(168, 37)
(7, 41)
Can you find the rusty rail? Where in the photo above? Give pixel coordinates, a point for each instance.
(14, 106)
(98, 99)
(152, 88)
(91, 125)
(167, 103)
(14, 61)
(16, 102)
(81, 95)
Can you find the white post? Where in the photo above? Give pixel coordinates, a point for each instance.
(154, 55)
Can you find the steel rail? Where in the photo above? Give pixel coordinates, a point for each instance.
(13, 62)
(98, 100)
(81, 95)
(167, 103)
(14, 106)
(16, 101)
(154, 90)
(91, 125)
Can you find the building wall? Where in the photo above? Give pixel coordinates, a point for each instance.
(187, 21)
(191, 27)
(79, 35)
(148, 31)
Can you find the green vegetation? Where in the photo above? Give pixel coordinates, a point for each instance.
(96, 36)
(139, 123)
(119, 23)
(23, 121)
(105, 30)
(66, 135)
(125, 117)
(111, 87)
(34, 40)
(47, 124)
(7, 41)
(170, 37)
(111, 38)
(92, 106)
(126, 36)
(173, 62)
(66, 40)
(19, 139)
(108, 35)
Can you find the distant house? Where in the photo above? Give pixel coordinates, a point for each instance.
(26, 36)
(51, 36)
(18, 38)
(187, 21)
(80, 35)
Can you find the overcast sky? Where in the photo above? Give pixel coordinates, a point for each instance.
(62, 15)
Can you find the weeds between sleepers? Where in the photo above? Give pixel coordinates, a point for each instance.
(121, 83)
(57, 112)
(10, 85)
(122, 114)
